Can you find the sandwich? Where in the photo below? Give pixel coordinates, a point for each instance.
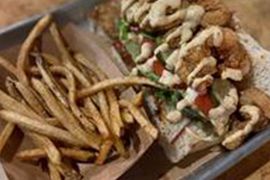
(212, 75)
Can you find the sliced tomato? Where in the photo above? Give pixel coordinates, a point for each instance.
(204, 103)
(158, 68)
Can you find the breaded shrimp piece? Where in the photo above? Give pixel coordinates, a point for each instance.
(229, 54)
(217, 13)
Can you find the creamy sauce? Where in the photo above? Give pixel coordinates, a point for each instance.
(214, 32)
(169, 79)
(192, 20)
(131, 11)
(146, 52)
(148, 65)
(174, 116)
(141, 11)
(198, 81)
(233, 74)
(157, 14)
(220, 115)
(206, 62)
(125, 4)
(234, 140)
(189, 99)
(162, 48)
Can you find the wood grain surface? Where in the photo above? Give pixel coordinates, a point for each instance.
(255, 17)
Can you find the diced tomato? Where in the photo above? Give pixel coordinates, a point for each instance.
(158, 68)
(204, 103)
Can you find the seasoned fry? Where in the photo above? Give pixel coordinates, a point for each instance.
(138, 99)
(96, 116)
(75, 154)
(138, 116)
(54, 173)
(9, 103)
(64, 116)
(11, 89)
(127, 117)
(30, 98)
(68, 172)
(28, 45)
(43, 142)
(116, 121)
(48, 146)
(123, 81)
(5, 135)
(49, 58)
(41, 128)
(50, 81)
(8, 66)
(104, 151)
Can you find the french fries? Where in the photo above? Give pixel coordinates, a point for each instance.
(41, 128)
(5, 135)
(139, 117)
(75, 154)
(28, 45)
(67, 105)
(106, 84)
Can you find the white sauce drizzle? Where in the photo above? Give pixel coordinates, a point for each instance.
(125, 4)
(198, 81)
(174, 116)
(233, 74)
(169, 79)
(234, 140)
(157, 14)
(220, 115)
(190, 97)
(146, 52)
(209, 61)
(148, 65)
(199, 40)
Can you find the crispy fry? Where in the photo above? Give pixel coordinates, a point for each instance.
(46, 144)
(9, 103)
(139, 117)
(123, 81)
(11, 89)
(5, 135)
(64, 116)
(40, 141)
(127, 117)
(28, 45)
(54, 173)
(116, 121)
(75, 154)
(31, 98)
(8, 66)
(96, 116)
(41, 128)
(68, 172)
(138, 99)
(102, 76)
(104, 151)
(49, 58)
(50, 81)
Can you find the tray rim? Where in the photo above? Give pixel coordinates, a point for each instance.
(16, 32)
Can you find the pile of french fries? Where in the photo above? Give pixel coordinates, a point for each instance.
(66, 105)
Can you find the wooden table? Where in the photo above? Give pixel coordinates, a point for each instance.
(255, 17)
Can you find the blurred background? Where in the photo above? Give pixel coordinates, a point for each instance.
(255, 18)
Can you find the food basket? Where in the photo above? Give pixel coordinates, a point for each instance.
(154, 164)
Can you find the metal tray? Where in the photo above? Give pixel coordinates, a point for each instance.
(154, 162)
